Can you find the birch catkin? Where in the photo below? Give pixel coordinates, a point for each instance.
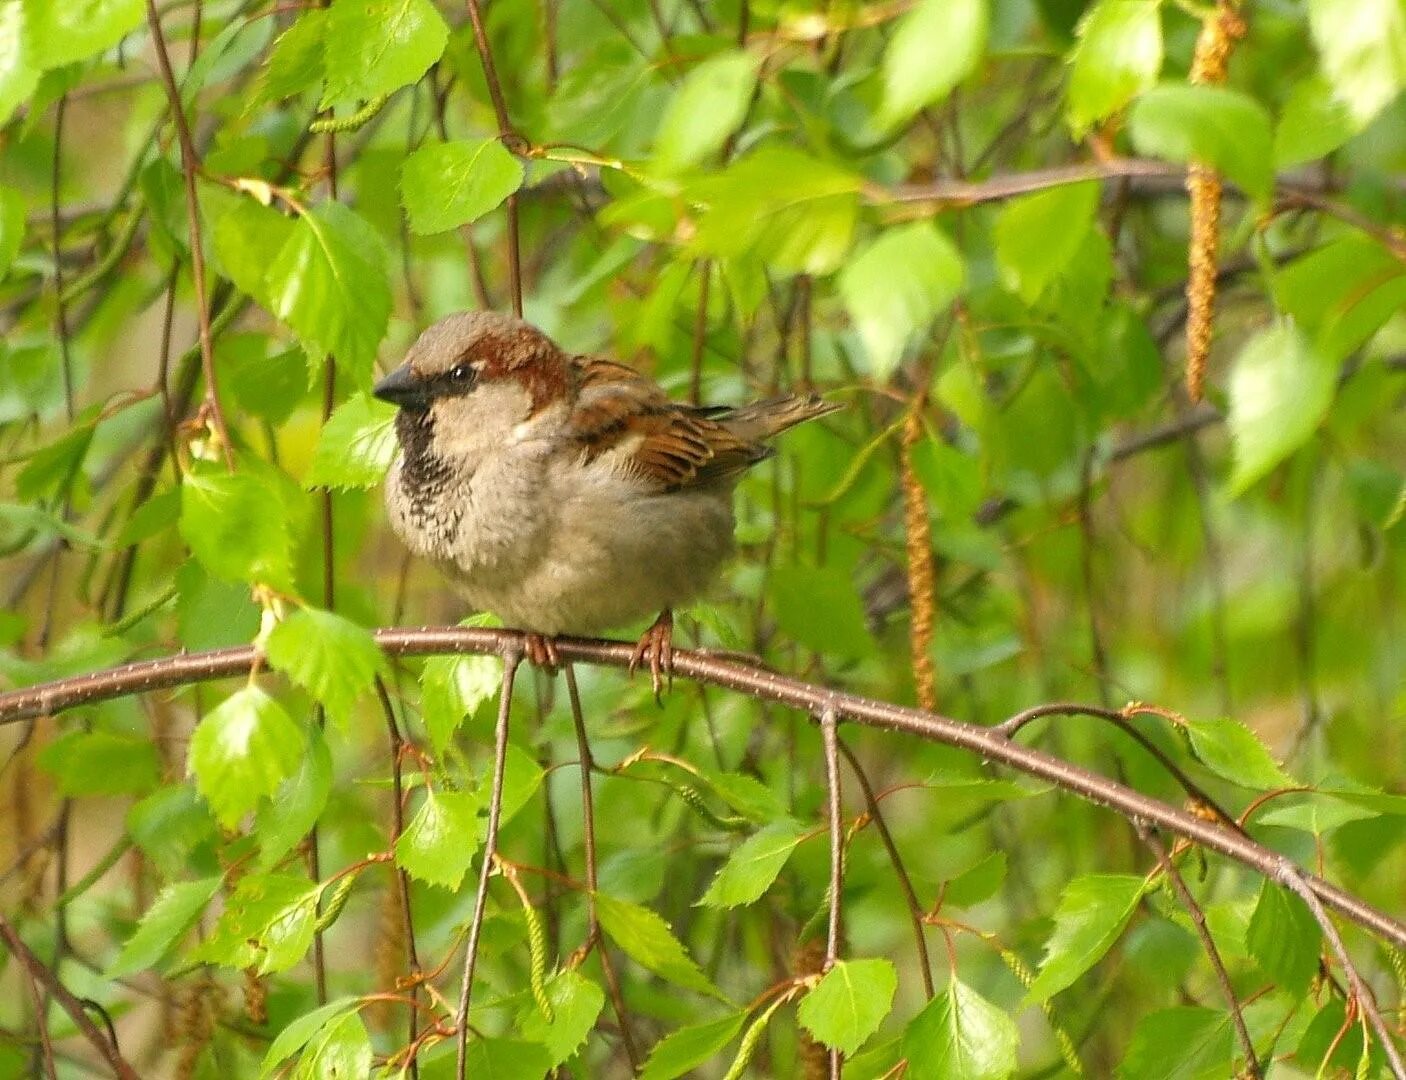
(1219, 33)
(922, 573)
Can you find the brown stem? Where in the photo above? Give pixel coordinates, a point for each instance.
(41, 974)
(1198, 921)
(512, 657)
(745, 678)
(402, 879)
(830, 741)
(197, 248)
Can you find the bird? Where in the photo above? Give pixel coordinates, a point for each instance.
(566, 494)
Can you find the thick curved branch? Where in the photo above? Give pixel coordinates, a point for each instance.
(749, 679)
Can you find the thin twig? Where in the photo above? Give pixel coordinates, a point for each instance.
(402, 879)
(1198, 921)
(1302, 886)
(189, 166)
(512, 657)
(834, 810)
(588, 829)
(71, 1005)
(46, 699)
(905, 882)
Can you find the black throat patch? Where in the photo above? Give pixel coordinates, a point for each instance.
(423, 474)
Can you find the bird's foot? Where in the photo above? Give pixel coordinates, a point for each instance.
(541, 649)
(657, 643)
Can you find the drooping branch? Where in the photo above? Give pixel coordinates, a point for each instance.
(754, 681)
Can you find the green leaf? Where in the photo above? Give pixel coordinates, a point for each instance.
(934, 47)
(297, 61)
(376, 46)
(1284, 938)
(445, 185)
(798, 592)
(1182, 1043)
(1313, 124)
(341, 1049)
(960, 1035)
(1038, 235)
(248, 237)
(52, 470)
(705, 110)
(977, 882)
(1230, 750)
(328, 655)
(234, 528)
(506, 1059)
(328, 282)
(1362, 48)
(241, 751)
(268, 923)
(65, 31)
(266, 386)
(1209, 124)
(441, 840)
(1091, 916)
(356, 445)
(689, 1047)
(646, 938)
(169, 824)
(102, 763)
(283, 821)
(753, 865)
(170, 915)
(11, 226)
(300, 1030)
(576, 1005)
(1341, 294)
(890, 309)
(1280, 391)
(19, 67)
(849, 1003)
(1118, 56)
(451, 690)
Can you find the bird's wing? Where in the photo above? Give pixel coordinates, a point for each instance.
(623, 418)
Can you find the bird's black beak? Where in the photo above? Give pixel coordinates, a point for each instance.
(403, 388)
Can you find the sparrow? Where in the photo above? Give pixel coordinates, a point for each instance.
(566, 494)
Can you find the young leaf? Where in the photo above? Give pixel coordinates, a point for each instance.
(689, 1047)
(241, 751)
(1118, 56)
(1090, 918)
(934, 47)
(328, 655)
(646, 938)
(282, 822)
(576, 1004)
(68, 31)
(341, 1048)
(451, 690)
(1313, 124)
(171, 914)
(889, 310)
(234, 528)
(297, 61)
(1210, 124)
(445, 185)
(506, 1059)
(1183, 1043)
(356, 446)
(1038, 235)
(102, 763)
(960, 1035)
(267, 923)
(299, 1031)
(753, 866)
(705, 110)
(849, 1003)
(376, 46)
(328, 282)
(1284, 938)
(1280, 391)
(1362, 45)
(977, 882)
(440, 841)
(1230, 750)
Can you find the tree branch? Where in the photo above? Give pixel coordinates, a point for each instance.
(749, 679)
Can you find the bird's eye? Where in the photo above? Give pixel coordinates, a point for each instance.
(460, 372)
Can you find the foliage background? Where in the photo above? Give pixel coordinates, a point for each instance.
(867, 199)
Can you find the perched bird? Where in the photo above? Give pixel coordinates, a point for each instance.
(565, 494)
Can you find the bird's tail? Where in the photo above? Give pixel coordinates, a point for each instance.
(764, 419)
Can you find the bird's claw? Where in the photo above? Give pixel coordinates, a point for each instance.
(657, 643)
(542, 651)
